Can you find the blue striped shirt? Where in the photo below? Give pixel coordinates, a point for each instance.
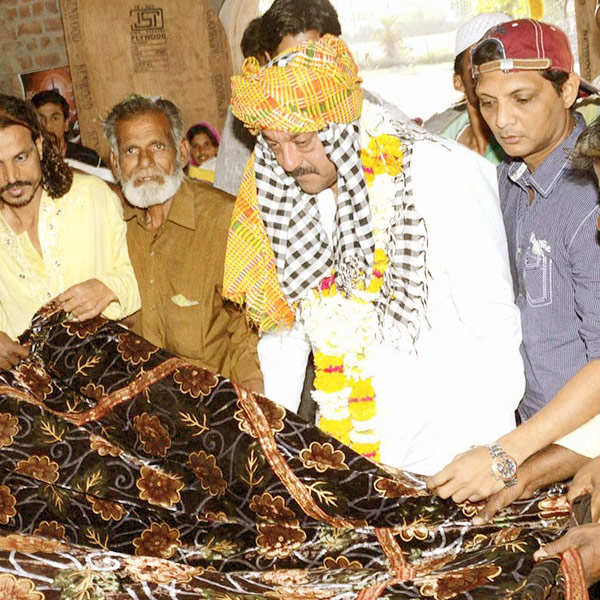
(555, 264)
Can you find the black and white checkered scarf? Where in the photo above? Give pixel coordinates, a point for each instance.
(302, 251)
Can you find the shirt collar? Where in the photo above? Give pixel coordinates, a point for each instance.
(545, 177)
(183, 209)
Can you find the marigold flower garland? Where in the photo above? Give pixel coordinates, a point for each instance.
(342, 329)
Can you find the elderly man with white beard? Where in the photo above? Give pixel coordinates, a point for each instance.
(176, 233)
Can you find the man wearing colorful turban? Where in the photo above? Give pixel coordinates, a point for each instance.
(354, 236)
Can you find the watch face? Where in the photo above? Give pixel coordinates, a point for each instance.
(505, 466)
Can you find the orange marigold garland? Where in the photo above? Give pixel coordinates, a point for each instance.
(343, 329)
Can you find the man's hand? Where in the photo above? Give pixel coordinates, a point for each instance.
(468, 477)
(587, 480)
(10, 352)
(502, 499)
(86, 300)
(586, 540)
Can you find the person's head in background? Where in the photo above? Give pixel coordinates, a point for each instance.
(53, 111)
(288, 23)
(586, 154)
(204, 142)
(467, 35)
(251, 42)
(526, 87)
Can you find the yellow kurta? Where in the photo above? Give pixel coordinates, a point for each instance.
(83, 236)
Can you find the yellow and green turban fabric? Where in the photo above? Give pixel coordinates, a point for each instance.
(317, 86)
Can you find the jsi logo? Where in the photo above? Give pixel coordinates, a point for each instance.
(146, 18)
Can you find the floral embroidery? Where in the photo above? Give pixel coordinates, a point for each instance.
(341, 562)
(159, 540)
(274, 509)
(7, 504)
(35, 379)
(52, 530)
(9, 427)
(323, 457)
(93, 391)
(195, 381)
(83, 329)
(447, 586)
(18, 588)
(273, 413)
(38, 467)
(279, 540)
(391, 488)
(153, 436)
(134, 349)
(108, 511)
(103, 447)
(159, 488)
(208, 472)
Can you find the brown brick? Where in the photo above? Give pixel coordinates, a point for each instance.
(31, 45)
(51, 59)
(52, 6)
(12, 14)
(53, 24)
(25, 62)
(24, 12)
(45, 41)
(38, 9)
(29, 28)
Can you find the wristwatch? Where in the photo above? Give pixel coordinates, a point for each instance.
(504, 467)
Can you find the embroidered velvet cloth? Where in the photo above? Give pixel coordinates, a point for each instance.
(128, 473)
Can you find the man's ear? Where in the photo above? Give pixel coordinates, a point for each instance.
(39, 144)
(184, 152)
(458, 83)
(570, 90)
(114, 164)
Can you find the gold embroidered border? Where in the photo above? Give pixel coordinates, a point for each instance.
(574, 576)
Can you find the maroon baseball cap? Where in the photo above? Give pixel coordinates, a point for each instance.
(527, 44)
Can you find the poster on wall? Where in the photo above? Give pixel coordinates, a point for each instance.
(58, 79)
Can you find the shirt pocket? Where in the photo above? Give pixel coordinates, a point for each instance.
(537, 278)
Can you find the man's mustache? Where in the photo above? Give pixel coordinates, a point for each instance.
(302, 171)
(14, 184)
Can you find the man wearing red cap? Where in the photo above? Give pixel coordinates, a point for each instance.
(526, 88)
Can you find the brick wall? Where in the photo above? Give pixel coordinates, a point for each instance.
(31, 39)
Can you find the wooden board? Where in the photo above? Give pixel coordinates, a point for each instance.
(171, 48)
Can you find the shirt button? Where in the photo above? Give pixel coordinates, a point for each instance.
(152, 253)
(21, 275)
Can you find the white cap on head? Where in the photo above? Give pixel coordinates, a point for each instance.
(472, 31)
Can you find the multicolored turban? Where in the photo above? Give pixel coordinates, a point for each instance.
(318, 86)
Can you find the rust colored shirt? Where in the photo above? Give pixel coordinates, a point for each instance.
(179, 270)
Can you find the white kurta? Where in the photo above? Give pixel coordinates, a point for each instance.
(465, 378)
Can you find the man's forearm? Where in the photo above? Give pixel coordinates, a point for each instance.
(550, 465)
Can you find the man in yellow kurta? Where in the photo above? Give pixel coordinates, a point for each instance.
(176, 232)
(61, 235)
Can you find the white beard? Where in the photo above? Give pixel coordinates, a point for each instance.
(150, 193)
